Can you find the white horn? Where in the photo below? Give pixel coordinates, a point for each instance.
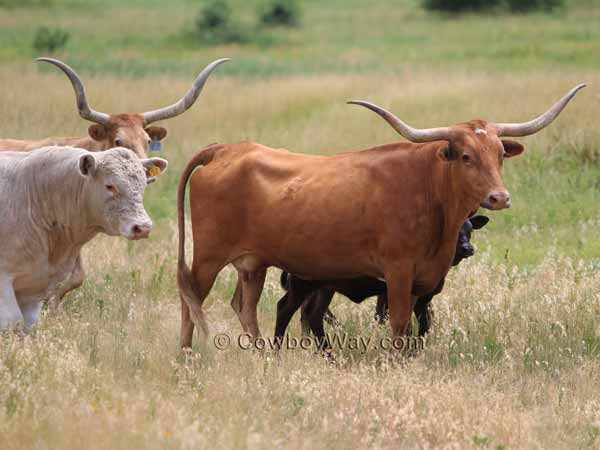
(85, 111)
(410, 133)
(539, 123)
(187, 100)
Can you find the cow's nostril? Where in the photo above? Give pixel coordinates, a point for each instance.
(493, 199)
(140, 231)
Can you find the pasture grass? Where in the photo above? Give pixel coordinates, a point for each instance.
(510, 363)
(512, 359)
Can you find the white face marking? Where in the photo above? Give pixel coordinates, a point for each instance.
(480, 131)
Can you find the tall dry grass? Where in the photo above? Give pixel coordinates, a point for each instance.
(513, 355)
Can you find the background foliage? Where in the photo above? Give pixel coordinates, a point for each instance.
(515, 6)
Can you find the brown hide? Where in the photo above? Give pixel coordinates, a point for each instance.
(391, 211)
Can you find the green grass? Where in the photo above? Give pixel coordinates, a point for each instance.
(146, 38)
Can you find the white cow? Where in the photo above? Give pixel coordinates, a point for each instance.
(54, 200)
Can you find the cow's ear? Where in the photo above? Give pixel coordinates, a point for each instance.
(154, 167)
(448, 153)
(512, 148)
(479, 222)
(156, 133)
(97, 132)
(87, 165)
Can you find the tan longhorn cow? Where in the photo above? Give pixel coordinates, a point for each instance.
(391, 211)
(129, 130)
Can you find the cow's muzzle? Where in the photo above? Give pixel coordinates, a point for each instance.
(496, 200)
(463, 251)
(140, 230)
(467, 251)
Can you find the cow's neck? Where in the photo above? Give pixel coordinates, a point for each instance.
(58, 193)
(448, 206)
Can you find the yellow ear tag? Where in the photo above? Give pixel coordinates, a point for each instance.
(154, 171)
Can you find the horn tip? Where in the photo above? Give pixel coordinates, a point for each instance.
(220, 61)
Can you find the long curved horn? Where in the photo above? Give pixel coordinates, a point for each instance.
(535, 125)
(410, 133)
(187, 100)
(85, 111)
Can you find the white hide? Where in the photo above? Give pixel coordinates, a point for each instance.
(52, 202)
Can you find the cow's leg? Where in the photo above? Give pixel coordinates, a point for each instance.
(298, 293)
(423, 308)
(10, 313)
(77, 277)
(305, 311)
(423, 314)
(202, 278)
(321, 303)
(286, 307)
(400, 301)
(381, 310)
(330, 318)
(236, 301)
(74, 281)
(31, 313)
(186, 333)
(252, 286)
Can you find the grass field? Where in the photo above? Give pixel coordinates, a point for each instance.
(513, 357)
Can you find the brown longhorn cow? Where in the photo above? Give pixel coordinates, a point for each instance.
(391, 211)
(129, 130)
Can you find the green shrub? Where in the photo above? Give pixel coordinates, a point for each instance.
(50, 39)
(280, 12)
(215, 25)
(456, 6)
(533, 5)
(214, 15)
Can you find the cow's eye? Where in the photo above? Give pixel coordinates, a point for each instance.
(119, 142)
(111, 188)
(466, 158)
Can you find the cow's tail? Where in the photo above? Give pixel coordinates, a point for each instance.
(188, 288)
(285, 280)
